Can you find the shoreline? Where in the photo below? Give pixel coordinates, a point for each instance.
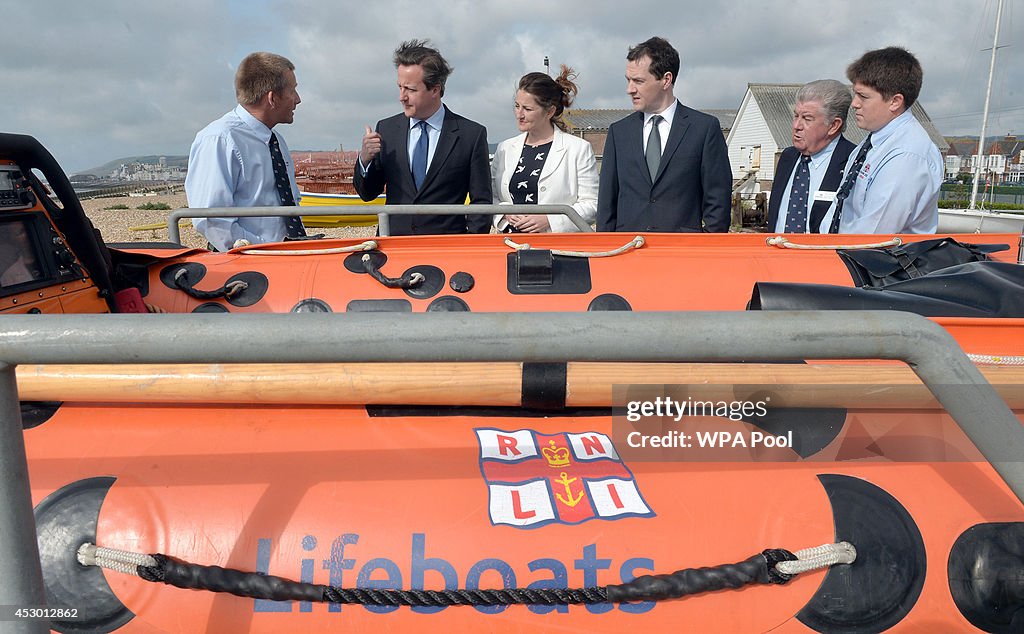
(115, 225)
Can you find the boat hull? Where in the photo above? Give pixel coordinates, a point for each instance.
(979, 221)
(349, 496)
(313, 199)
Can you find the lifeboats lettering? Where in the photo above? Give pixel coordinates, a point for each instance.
(507, 445)
(517, 508)
(489, 572)
(565, 478)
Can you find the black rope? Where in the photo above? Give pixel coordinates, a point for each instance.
(757, 569)
(408, 280)
(182, 282)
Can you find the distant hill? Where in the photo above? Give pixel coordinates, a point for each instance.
(110, 166)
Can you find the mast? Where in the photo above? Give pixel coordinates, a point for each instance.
(984, 116)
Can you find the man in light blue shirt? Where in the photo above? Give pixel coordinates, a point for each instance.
(892, 184)
(230, 161)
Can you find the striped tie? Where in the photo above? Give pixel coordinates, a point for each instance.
(292, 224)
(851, 178)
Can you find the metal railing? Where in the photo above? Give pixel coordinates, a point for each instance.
(547, 337)
(383, 213)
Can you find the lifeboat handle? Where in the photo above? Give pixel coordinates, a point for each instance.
(772, 566)
(406, 281)
(783, 242)
(635, 243)
(229, 290)
(367, 245)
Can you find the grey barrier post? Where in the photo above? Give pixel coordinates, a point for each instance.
(381, 211)
(22, 584)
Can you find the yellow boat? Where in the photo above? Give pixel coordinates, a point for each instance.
(311, 199)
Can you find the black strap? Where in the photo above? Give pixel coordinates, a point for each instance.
(544, 385)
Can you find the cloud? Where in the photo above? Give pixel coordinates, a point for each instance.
(109, 78)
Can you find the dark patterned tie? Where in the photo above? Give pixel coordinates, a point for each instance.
(796, 215)
(851, 178)
(653, 151)
(419, 155)
(292, 224)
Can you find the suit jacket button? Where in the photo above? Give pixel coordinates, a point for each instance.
(654, 200)
(543, 189)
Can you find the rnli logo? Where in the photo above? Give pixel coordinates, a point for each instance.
(536, 479)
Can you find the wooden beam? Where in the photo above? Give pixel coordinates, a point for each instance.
(493, 384)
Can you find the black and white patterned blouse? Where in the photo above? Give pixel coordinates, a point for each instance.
(523, 184)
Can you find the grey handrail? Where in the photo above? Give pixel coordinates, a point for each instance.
(383, 212)
(554, 337)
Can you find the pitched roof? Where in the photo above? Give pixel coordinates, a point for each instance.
(725, 117)
(776, 103)
(594, 118)
(963, 147)
(1008, 146)
(598, 119)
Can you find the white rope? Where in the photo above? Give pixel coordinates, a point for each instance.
(122, 561)
(234, 288)
(635, 243)
(368, 245)
(995, 359)
(783, 243)
(818, 557)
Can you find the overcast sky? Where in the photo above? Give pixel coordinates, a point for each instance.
(101, 79)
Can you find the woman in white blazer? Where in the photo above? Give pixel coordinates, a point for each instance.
(544, 165)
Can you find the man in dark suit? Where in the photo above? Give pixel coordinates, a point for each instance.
(428, 155)
(801, 196)
(665, 167)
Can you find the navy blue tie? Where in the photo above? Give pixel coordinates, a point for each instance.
(292, 224)
(419, 155)
(847, 187)
(796, 215)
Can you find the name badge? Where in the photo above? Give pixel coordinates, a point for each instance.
(826, 196)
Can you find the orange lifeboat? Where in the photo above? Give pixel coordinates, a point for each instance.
(638, 451)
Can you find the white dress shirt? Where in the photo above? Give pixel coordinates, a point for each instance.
(664, 126)
(434, 123)
(817, 167)
(229, 166)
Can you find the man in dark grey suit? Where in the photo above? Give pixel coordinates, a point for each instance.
(428, 155)
(801, 197)
(665, 167)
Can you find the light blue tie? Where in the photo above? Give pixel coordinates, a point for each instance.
(419, 155)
